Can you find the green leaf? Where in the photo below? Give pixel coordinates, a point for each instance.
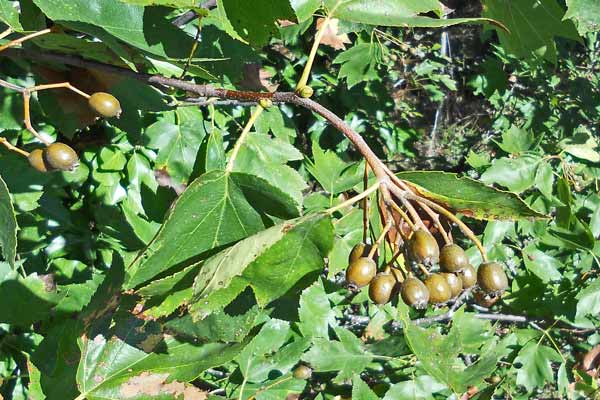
(217, 327)
(111, 368)
(81, 47)
(212, 212)
(215, 152)
(10, 16)
(305, 8)
(315, 312)
(167, 3)
(532, 26)
(177, 137)
(271, 262)
(420, 388)
(544, 179)
(582, 145)
(362, 391)
(264, 196)
(586, 13)
(588, 300)
(535, 365)
(517, 174)
(334, 175)
(438, 355)
(541, 264)
(516, 140)
(255, 21)
(358, 63)
(26, 300)
(401, 13)
(266, 157)
(127, 22)
(8, 222)
(264, 356)
(346, 355)
(469, 197)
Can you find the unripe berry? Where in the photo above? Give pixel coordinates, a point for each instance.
(361, 272)
(105, 104)
(423, 248)
(60, 156)
(453, 258)
(439, 290)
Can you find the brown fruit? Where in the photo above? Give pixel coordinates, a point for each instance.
(454, 282)
(491, 278)
(468, 276)
(439, 290)
(381, 288)
(453, 258)
(36, 159)
(60, 156)
(414, 293)
(423, 248)
(361, 272)
(105, 104)
(359, 250)
(302, 372)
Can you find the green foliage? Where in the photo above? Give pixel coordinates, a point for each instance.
(170, 265)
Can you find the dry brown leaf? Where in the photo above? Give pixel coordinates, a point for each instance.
(330, 36)
(151, 384)
(257, 78)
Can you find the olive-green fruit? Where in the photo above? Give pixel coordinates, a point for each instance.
(36, 159)
(105, 104)
(381, 288)
(454, 282)
(453, 258)
(491, 277)
(468, 276)
(359, 250)
(439, 290)
(302, 372)
(361, 272)
(423, 248)
(305, 91)
(60, 156)
(414, 293)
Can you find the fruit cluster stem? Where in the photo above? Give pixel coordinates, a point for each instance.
(238, 144)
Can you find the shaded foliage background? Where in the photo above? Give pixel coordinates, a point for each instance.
(108, 295)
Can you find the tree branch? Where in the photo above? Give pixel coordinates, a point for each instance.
(208, 91)
(189, 16)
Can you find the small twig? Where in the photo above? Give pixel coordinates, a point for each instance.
(381, 237)
(354, 199)
(192, 52)
(189, 16)
(253, 397)
(11, 86)
(447, 315)
(6, 32)
(238, 144)
(463, 227)
(365, 215)
(20, 40)
(9, 146)
(502, 317)
(436, 220)
(27, 118)
(311, 56)
(404, 217)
